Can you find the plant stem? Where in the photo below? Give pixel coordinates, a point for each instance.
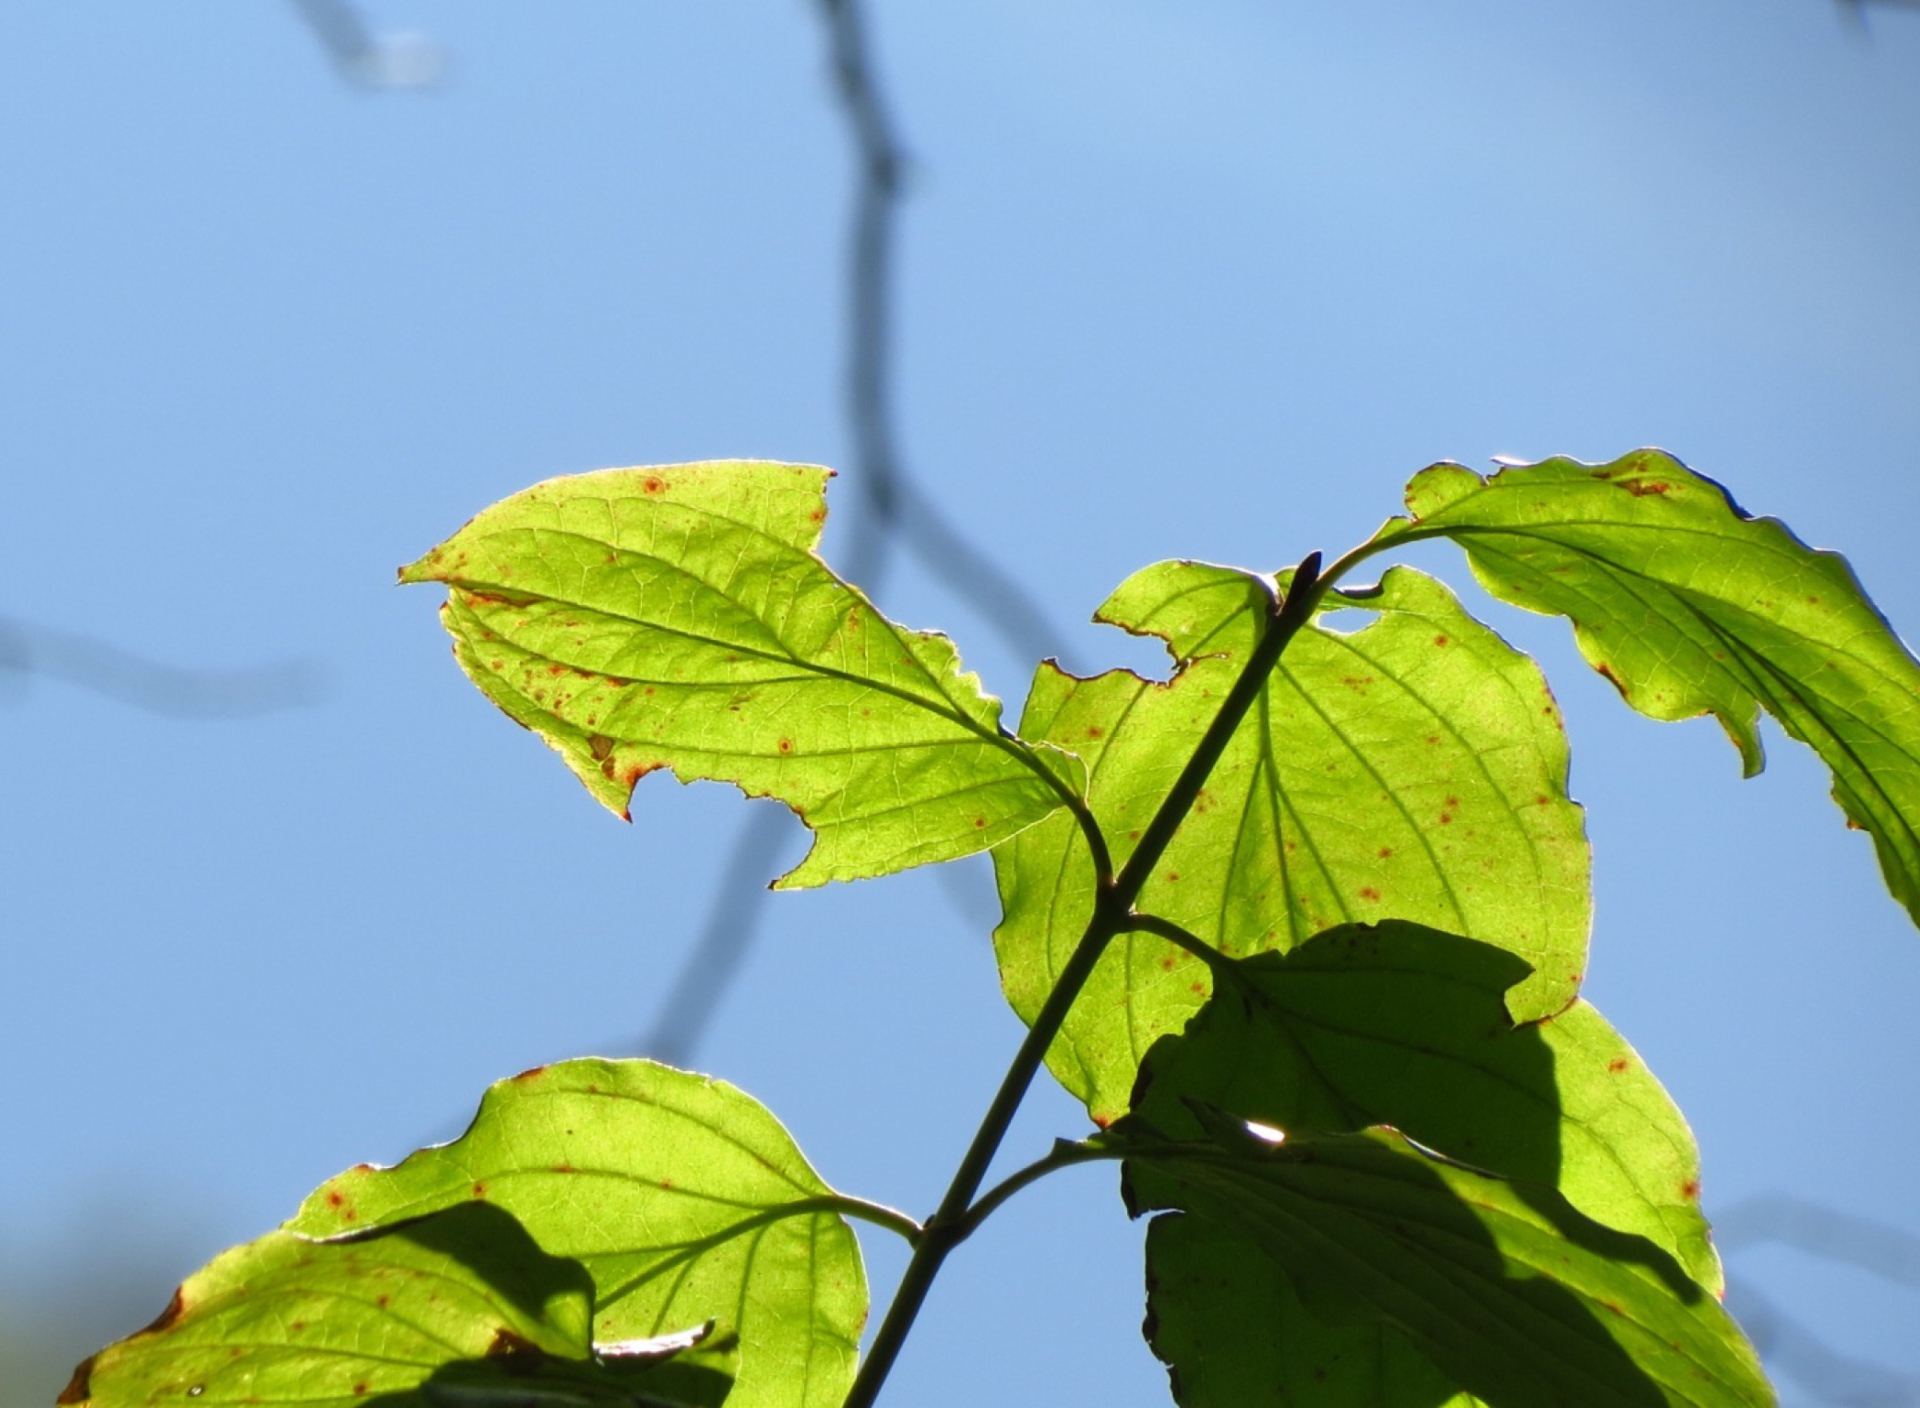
(1218, 963)
(1112, 914)
(1065, 1154)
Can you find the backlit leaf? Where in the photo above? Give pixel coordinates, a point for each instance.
(684, 1199)
(1690, 607)
(1515, 1297)
(1414, 769)
(1223, 1317)
(455, 1310)
(677, 617)
(1400, 1025)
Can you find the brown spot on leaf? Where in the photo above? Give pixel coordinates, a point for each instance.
(335, 1198)
(786, 745)
(359, 1390)
(1385, 851)
(1199, 988)
(1173, 877)
(600, 746)
(979, 823)
(1166, 964)
(1095, 731)
(563, 1168)
(1617, 1064)
(1640, 488)
(479, 1190)
(1439, 640)
(1690, 1188)
(529, 1075)
(653, 484)
(1367, 892)
(1605, 669)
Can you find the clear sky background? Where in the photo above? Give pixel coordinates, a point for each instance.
(1208, 279)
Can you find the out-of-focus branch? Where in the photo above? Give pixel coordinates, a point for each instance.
(1836, 1380)
(368, 60)
(1788, 1346)
(26, 651)
(892, 511)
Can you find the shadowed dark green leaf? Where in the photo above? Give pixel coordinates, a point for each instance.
(1400, 1025)
(456, 1310)
(1518, 1300)
(1224, 1319)
(677, 617)
(1691, 607)
(1414, 769)
(684, 1198)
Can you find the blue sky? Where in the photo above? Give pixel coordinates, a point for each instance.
(1207, 280)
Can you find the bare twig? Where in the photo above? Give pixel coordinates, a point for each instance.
(892, 511)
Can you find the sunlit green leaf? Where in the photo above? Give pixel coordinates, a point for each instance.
(456, 1310)
(1414, 769)
(677, 617)
(1514, 1296)
(1223, 1317)
(684, 1199)
(1400, 1025)
(1690, 607)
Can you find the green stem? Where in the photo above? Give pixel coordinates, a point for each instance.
(1065, 1154)
(1218, 963)
(878, 1214)
(1112, 914)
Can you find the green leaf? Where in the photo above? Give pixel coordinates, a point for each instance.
(1401, 1025)
(684, 1198)
(456, 1310)
(1223, 1318)
(1517, 1299)
(1415, 769)
(1691, 607)
(677, 617)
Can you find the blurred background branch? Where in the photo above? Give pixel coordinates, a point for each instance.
(892, 513)
(80, 660)
(400, 60)
(1836, 1380)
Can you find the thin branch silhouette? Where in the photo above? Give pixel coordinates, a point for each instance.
(1784, 1343)
(26, 651)
(891, 512)
(366, 59)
